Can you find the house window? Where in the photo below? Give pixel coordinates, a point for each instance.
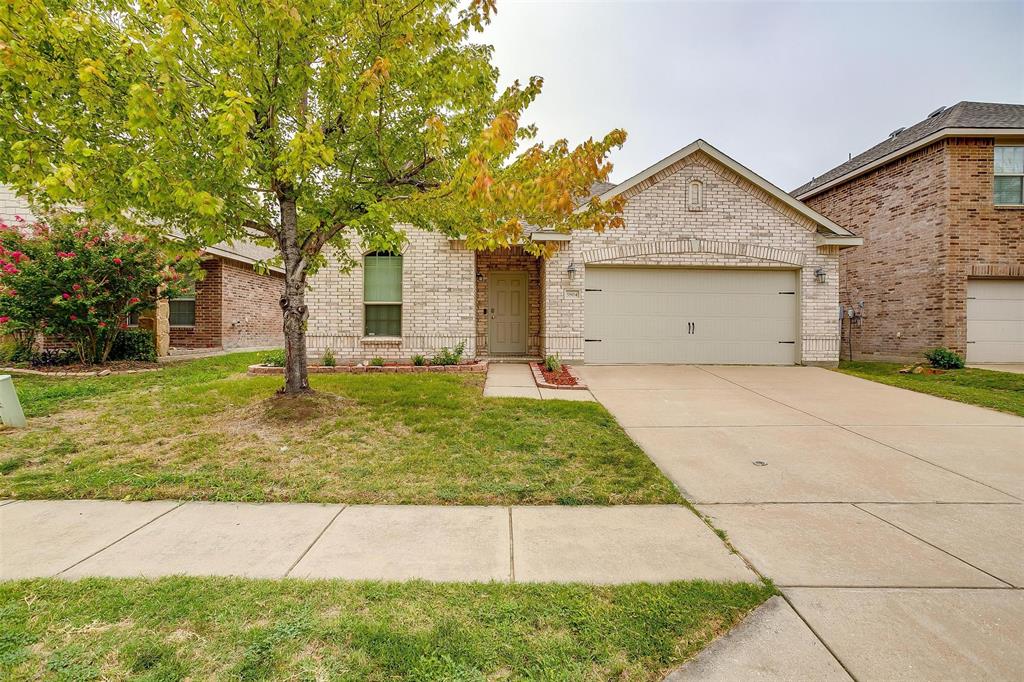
(1009, 176)
(382, 294)
(133, 319)
(183, 310)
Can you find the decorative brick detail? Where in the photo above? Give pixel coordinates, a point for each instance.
(741, 226)
(929, 223)
(508, 260)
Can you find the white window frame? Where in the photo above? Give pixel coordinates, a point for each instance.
(996, 174)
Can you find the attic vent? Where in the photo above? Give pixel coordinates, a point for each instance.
(936, 112)
(896, 132)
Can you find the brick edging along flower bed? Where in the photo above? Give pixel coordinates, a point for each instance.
(538, 378)
(469, 367)
(77, 375)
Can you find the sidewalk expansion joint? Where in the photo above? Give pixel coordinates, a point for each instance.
(315, 540)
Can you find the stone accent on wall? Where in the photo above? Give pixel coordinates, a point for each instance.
(929, 223)
(508, 260)
(741, 225)
(438, 302)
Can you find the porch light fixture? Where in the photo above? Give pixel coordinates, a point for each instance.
(820, 276)
(479, 276)
(572, 270)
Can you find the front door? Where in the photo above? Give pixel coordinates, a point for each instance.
(507, 313)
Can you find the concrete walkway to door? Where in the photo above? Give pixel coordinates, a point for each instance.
(892, 521)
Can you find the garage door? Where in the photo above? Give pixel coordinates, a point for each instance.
(995, 320)
(676, 315)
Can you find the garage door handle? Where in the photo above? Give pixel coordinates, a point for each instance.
(592, 340)
(787, 341)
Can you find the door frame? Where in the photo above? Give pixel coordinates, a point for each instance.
(525, 276)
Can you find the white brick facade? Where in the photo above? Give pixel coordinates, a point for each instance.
(438, 294)
(695, 213)
(733, 224)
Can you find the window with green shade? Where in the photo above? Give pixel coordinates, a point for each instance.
(382, 294)
(182, 312)
(1008, 187)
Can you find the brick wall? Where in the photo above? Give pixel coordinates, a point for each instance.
(928, 223)
(438, 295)
(251, 310)
(735, 224)
(207, 332)
(509, 260)
(12, 205)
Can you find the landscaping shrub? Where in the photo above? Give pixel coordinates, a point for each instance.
(328, 358)
(80, 281)
(134, 344)
(377, 362)
(419, 360)
(943, 358)
(53, 357)
(274, 358)
(13, 352)
(552, 363)
(449, 356)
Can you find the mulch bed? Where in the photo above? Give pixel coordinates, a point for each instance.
(388, 368)
(565, 378)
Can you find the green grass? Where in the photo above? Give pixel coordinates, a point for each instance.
(222, 628)
(205, 430)
(1001, 391)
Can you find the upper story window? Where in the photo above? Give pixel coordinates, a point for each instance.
(1009, 176)
(382, 294)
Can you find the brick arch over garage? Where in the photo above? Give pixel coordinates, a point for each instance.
(684, 246)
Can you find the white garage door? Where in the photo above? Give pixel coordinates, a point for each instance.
(995, 320)
(676, 315)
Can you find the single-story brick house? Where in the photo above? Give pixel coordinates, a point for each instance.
(714, 265)
(233, 306)
(941, 210)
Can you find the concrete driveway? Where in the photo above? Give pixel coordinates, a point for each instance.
(893, 521)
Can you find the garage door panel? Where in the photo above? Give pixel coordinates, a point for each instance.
(678, 315)
(995, 321)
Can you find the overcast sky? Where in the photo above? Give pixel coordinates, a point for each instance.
(787, 89)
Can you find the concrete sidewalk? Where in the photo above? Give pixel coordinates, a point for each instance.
(78, 538)
(515, 380)
(892, 521)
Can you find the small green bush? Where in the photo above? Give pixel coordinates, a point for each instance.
(418, 360)
(377, 362)
(53, 357)
(134, 344)
(12, 352)
(943, 358)
(274, 358)
(449, 356)
(328, 359)
(552, 363)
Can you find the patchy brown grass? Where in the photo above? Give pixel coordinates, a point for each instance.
(400, 439)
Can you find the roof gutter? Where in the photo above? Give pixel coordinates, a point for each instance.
(903, 151)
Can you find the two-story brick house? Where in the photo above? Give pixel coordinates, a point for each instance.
(940, 208)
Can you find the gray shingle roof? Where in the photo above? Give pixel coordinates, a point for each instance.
(961, 115)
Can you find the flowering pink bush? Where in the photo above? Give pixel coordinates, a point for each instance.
(80, 282)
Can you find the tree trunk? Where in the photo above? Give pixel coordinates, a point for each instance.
(293, 303)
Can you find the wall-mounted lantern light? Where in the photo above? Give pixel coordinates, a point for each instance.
(820, 276)
(572, 270)
(479, 276)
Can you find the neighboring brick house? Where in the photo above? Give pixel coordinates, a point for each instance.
(714, 265)
(940, 208)
(233, 306)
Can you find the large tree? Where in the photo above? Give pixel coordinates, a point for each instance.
(298, 123)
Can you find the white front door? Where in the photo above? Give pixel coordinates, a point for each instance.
(508, 319)
(690, 315)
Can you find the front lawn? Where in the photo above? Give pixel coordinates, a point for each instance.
(225, 628)
(205, 430)
(998, 390)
